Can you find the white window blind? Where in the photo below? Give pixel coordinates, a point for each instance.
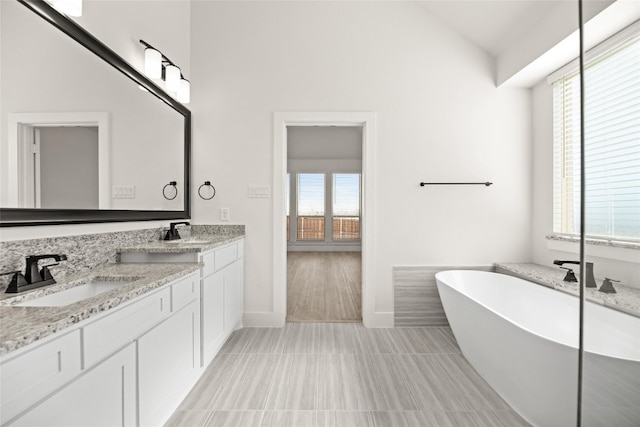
(311, 206)
(311, 194)
(612, 143)
(346, 206)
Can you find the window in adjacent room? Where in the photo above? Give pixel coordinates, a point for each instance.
(346, 206)
(612, 141)
(311, 204)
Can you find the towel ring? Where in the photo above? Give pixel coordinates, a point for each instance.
(175, 190)
(207, 184)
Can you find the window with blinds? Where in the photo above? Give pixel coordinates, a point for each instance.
(612, 142)
(311, 204)
(346, 206)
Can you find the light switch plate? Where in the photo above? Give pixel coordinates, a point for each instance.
(123, 191)
(256, 191)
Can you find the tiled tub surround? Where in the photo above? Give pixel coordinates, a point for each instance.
(416, 298)
(626, 298)
(24, 325)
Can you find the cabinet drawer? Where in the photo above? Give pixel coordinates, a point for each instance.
(219, 258)
(184, 291)
(30, 376)
(111, 332)
(225, 256)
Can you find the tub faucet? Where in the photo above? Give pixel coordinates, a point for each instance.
(172, 232)
(607, 286)
(33, 278)
(570, 277)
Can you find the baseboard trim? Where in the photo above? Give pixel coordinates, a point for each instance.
(263, 320)
(379, 319)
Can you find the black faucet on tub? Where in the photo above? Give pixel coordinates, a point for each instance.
(570, 277)
(33, 278)
(172, 232)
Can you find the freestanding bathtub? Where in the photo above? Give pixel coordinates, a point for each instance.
(523, 339)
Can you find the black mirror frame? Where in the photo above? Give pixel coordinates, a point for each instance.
(13, 217)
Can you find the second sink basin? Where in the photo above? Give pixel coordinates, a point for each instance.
(75, 294)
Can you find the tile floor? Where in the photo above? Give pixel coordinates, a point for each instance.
(342, 375)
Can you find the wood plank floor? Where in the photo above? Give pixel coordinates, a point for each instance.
(324, 287)
(342, 375)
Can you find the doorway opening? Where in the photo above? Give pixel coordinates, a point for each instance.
(366, 123)
(63, 167)
(323, 202)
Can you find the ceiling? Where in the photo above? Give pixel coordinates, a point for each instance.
(493, 25)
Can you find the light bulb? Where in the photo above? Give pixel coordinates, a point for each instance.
(172, 78)
(184, 91)
(152, 63)
(68, 7)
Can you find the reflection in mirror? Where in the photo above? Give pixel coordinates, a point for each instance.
(65, 168)
(81, 135)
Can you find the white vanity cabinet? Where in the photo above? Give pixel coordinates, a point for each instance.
(221, 287)
(128, 366)
(222, 296)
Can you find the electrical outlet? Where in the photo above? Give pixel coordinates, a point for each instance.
(224, 214)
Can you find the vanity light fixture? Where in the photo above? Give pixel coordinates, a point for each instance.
(152, 63)
(68, 7)
(172, 77)
(184, 91)
(158, 66)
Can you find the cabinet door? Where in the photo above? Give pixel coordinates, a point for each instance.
(212, 298)
(233, 295)
(168, 364)
(103, 396)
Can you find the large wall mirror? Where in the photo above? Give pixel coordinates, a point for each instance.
(84, 136)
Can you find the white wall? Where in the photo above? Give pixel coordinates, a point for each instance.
(439, 118)
(628, 272)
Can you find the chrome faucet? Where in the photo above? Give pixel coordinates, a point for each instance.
(571, 277)
(33, 278)
(172, 232)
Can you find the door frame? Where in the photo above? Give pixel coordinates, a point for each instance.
(366, 120)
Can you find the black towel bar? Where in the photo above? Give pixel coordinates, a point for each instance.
(422, 184)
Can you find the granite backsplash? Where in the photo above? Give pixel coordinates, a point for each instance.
(84, 252)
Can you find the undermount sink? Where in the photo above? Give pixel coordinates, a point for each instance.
(75, 294)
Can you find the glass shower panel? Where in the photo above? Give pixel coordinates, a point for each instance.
(610, 377)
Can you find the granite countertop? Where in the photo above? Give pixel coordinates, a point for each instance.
(192, 243)
(21, 326)
(626, 298)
